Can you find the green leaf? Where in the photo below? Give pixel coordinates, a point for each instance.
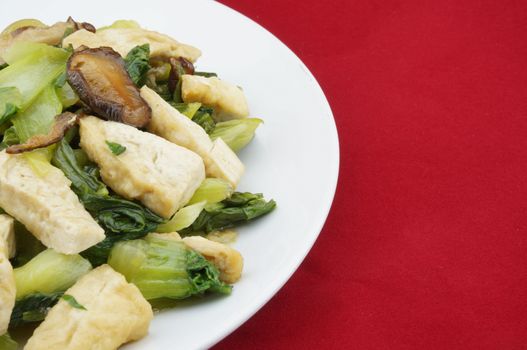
(10, 138)
(165, 268)
(33, 308)
(187, 109)
(61, 80)
(28, 246)
(6, 343)
(236, 133)
(49, 272)
(10, 102)
(238, 209)
(212, 190)
(38, 118)
(116, 148)
(81, 181)
(203, 118)
(206, 74)
(183, 218)
(73, 302)
(137, 64)
(204, 275)
(35, 67)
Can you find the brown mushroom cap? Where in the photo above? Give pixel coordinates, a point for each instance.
(180, 66)
(100, 79)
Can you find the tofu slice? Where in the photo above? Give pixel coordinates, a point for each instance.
(116, 313)
(223, 163)
(228, 260)
(160, 174)
(123, 40)
(7, 280)
(227, 99)
(47, 206)
(7, 234)
(167, 122)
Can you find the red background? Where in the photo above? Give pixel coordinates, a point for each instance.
(425, 247)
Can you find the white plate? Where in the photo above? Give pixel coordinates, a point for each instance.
(293, 159)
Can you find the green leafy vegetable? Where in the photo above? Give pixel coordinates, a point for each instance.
(137, 63)
(183, 218)
(204, 275)
(34, 67)
(73, 302)
(33, 308)
(10, 102)
(27, 246)
(187, 109)
(165, 268)
(203, 118)
(159, 72)
(82, 182)
(239, 208)
(38, 118)
(206, 74)
(6, 343)
(49, 272)
(118, 215)
(61, 80)
(66, 95)
(116, 148)
(10, 138)
(82, 159)
(236, 133)
(212, 190)
(199, 114)
(176, 96)
(121, 219)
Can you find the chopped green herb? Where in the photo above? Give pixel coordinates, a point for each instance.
(116, 148)
(73, 302)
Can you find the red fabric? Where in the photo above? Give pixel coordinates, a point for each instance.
(425, 247)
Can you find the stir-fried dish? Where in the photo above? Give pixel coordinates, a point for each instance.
(118, 181)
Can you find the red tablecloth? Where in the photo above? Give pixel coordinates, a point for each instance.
(426, 244)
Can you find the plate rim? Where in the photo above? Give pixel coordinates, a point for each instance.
(246, 315)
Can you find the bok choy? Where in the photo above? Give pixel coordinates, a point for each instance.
(238, 209)
(165, 268)
(41, 282)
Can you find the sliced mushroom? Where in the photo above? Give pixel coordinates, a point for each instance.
(81, 25)
(63, 122)
(179, 66)
(100, 79)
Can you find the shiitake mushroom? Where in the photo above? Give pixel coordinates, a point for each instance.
(100, 79)
(180, 66)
